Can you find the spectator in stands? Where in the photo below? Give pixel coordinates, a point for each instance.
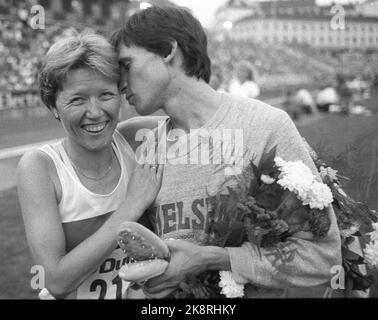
(244, 84)
(344, 93)
(21, 47)
(290, 105)
(325, 98)
(216, 80)
(375, 81)
(305, 101)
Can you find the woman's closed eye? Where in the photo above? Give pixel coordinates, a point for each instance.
(107, 95)
(76, 100)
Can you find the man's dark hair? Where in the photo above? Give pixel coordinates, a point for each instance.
(154, 28)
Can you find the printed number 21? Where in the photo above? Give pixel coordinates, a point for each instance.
(117, 281)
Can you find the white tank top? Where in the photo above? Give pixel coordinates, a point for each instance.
(78, 203)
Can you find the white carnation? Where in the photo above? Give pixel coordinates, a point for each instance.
(371, 254)
(267, 179)
(374, 235)
(319, 196)
(295, 176)
(230, 288)
(279, 162)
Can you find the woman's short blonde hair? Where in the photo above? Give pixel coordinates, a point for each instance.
(82, 50)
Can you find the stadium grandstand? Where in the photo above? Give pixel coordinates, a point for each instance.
(301, 39)
(22, 46)
(289, 42)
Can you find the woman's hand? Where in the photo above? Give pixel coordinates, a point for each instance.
(144, 185)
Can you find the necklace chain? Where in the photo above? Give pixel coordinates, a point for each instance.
(92, 178)
(77, 169)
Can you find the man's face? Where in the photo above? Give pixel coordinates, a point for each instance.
(144, 78)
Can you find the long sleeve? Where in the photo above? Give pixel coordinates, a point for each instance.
(302, 261)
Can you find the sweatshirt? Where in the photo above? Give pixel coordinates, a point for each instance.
(197, 167)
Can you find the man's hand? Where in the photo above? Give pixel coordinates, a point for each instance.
(186, 259)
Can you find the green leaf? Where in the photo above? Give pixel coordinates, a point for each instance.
(349, 240)
(351, 256)
(254, 184)
(270, 196)
(360, 281)
(267, 160)
(319, 222)
(235, 235)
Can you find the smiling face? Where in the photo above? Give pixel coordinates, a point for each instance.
(144, 78)
(88, 106)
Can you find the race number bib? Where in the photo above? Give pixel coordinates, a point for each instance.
(105, 283)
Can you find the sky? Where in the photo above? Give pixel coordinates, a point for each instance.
(205, 9)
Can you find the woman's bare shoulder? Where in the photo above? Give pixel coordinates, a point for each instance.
(36, 170)
(34, 160)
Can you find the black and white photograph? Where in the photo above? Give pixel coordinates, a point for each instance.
(188, 150)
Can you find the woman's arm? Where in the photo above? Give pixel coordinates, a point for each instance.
(65, 271)
(130, 127)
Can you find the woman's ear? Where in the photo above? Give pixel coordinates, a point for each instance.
(173, 52)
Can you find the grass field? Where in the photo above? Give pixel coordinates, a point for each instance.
(349, 143)
(15, 259)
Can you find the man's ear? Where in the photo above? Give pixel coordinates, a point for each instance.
(173, 52)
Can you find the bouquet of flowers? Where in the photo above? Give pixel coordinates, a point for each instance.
(282, 198)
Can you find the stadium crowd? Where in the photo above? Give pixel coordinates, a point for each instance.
(274, 66)
(272, 62)
(21, 46)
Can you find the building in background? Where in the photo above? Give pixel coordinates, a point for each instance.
(368, 8)
(301, 22)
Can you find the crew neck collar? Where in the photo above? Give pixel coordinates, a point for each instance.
(211, 124)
